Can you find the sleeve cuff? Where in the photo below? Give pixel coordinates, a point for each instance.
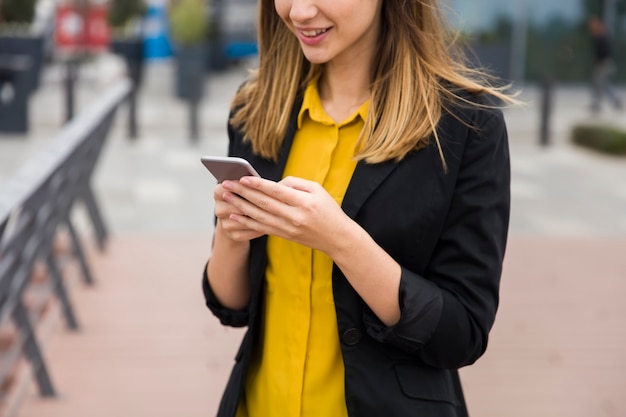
(421, 305)
(227, 317)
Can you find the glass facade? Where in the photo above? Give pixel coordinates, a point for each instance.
(527, 40)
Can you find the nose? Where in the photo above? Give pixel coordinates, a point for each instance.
(302, 10)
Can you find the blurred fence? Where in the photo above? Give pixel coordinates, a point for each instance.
(36, 205)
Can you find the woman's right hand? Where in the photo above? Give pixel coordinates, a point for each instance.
(223, 209)
(228, 267)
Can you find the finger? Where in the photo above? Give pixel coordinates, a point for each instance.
(236, 230)
(263, 209)
(224, 208)
(277, 191)
(246, 198)
(299, 184)
(218, 192)
(251, 224)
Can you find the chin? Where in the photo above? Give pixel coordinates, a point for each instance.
(317, 62)
(316, 59)
(314, 56)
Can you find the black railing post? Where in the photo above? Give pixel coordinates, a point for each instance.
(194, 131)
(70, 89)
(545, 110)
(195, 91)
(33, 351)
(132, 114)
(134, 68)
(61, 292)
(34, 204)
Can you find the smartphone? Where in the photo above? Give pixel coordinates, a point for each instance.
(228, 167)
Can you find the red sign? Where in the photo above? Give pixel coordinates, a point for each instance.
(76, 31)
(98, 33)
(70, 29)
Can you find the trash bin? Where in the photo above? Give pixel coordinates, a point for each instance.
(190, 72)
(31, 46)
(14, 93)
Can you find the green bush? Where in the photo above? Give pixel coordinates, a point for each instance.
(606, 139)
(189, 23)
(124, 12)
(17, 11)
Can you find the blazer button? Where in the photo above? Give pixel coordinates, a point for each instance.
(351, 337)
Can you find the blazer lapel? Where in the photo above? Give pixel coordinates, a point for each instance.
(365, 180)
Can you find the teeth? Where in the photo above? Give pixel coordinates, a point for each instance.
(313, 32)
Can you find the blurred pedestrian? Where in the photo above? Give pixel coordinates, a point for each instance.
(603, 67)
(366, 261)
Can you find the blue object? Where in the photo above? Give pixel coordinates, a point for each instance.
(241, 49)
(157, 44)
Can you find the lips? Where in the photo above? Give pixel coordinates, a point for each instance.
(312, 36)
(311, 33)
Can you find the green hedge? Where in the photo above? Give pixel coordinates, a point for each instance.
(17, 11)
(189, 23)
(606, 139)
(123, 12)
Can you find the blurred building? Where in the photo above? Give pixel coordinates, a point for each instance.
(518, 40)
(527, 40)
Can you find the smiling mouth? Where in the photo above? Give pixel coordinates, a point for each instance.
(313, 33)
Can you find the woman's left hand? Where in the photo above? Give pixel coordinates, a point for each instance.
(295, 209)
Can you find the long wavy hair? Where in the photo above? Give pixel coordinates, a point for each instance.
(419, 67)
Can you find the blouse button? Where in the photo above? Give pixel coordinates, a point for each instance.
(351, 337)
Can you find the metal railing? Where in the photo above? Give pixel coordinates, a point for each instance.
(35, 204)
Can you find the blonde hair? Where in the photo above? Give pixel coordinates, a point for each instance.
(419, 68)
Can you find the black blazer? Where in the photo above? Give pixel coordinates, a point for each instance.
(447, 230)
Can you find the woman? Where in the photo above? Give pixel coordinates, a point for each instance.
(366, 261)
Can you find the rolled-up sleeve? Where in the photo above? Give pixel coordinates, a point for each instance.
(421, 304)
(447, 313)
(227, 317)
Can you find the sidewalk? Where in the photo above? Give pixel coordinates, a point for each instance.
(149, 347)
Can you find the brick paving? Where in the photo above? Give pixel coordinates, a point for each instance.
(149, 347)
(558, 347)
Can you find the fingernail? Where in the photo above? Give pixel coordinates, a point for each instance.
(228, 185)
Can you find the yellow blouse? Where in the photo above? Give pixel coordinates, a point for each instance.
(298, 368)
